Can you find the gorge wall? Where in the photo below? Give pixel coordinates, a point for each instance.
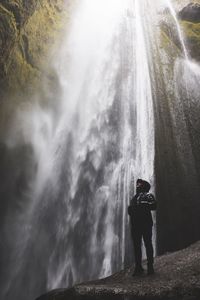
(177, 138)
(29, 34)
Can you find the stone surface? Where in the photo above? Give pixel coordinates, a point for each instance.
(29, 33)
(177, 163)
(13, 15)
(192, 38)
(191, 13)
(189, 27)
(177, 277)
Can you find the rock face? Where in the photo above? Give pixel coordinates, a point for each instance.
(13, 15)
(192, 34)
(29, 29)
(189, 16)
(190, 13)
(190, 22)
(177, 277)
(177, 161)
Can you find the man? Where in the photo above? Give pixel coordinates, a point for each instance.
(141, 222)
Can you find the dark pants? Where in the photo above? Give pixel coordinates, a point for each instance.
(145, 232)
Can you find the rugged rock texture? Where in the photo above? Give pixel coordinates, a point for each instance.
(190, 13)
(177, 163)
(192, 35)
(29, 30)
(177, 278)
(189, 16)
(190, 22)
(13, 15)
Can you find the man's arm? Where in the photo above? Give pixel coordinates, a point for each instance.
(132, 206)
(151, 201)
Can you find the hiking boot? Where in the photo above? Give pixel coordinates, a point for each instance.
(138, 271)
(150, 270)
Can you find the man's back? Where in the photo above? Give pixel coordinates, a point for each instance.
(141, 220)
(140, 209)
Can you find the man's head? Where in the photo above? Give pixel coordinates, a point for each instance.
(142, 186)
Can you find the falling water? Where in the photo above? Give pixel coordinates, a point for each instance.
(70, 223)
(111, 137)
(179, 31)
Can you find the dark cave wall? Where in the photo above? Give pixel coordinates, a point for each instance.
(177, 163)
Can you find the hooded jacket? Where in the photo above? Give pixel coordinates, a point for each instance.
(140, 208)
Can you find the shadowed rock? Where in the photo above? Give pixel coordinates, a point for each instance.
(190, 13)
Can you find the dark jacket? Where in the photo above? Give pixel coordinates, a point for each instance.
(140, 209)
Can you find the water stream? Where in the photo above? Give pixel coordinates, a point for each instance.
(179, 30)
(112, 138)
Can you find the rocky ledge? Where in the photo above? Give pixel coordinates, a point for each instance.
(177, 277)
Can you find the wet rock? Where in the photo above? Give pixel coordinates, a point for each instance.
(29, 30)
(177, 277)
(190, 13)
(8, 38)
(13, 15)
(192, 38)
(189, 17)
(21, 10)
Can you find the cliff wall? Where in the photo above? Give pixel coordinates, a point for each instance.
(29, 33)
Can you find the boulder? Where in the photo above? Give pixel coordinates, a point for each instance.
(190, 13)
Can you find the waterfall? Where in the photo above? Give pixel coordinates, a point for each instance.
(87, 155)
(111, 136)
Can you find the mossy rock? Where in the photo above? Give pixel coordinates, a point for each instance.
(29, 35)
(192, 34)
(21, 9)
(8, 38)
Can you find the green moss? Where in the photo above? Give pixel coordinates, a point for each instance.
(192, 34)
(13, 7)
(21, 9)
(24, 73)
(8, 38)
(192, 30)
(41, 42)
(35, 46)
(167, 43)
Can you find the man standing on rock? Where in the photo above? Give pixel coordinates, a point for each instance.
(141, 222)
